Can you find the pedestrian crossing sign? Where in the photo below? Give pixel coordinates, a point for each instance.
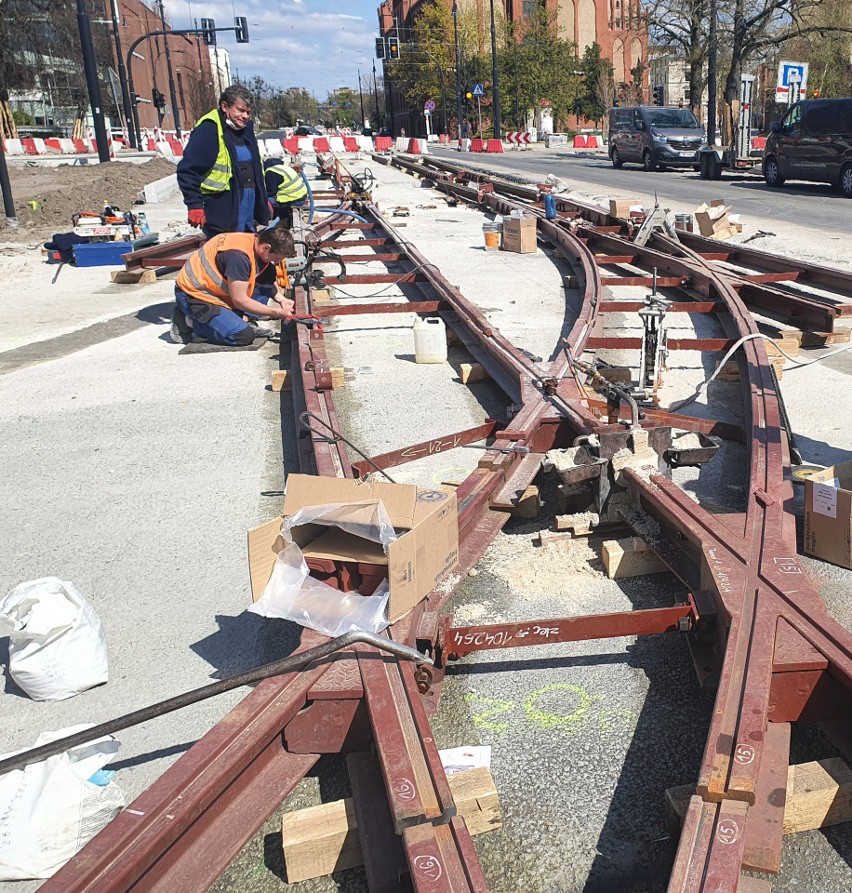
(477, 90)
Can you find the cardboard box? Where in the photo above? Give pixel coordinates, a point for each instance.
(621, 207)
(519, 235)
(713, 220)
(828, 514)
(424, 554)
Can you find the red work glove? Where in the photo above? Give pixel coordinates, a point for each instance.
(196, 217)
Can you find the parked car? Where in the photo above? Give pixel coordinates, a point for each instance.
(306, 130)
(813, 141)
(654, 136)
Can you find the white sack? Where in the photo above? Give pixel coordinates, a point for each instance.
(49, 810)
(57, 646)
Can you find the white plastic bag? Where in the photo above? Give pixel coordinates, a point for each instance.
(49, 810)
(292, 594)
(57, 646)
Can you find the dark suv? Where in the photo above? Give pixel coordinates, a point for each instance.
(813, 141)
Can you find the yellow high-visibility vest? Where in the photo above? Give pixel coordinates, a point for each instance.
(218, 178)
(292, 186)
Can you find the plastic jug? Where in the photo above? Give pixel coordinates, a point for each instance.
(430, 340)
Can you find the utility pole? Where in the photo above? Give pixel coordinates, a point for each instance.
(711, 77)
(361, 96)
(92, 81)
(122, 72)
(458, 69)
(172, 94)
(379, 117)
(6, 189)
(495, 87)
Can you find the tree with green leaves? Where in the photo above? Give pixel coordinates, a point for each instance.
(598, 90)
(537, 65)
(426, 67)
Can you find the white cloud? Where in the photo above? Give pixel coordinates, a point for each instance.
(292, 42)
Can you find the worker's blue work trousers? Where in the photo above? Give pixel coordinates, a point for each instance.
(218, 325)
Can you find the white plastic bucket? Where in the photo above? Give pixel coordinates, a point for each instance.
(491, 233)
(430, 340)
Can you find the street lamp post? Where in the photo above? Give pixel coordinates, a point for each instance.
(6, 189)
(458, 69)
(172, 94)
(495, 101)
(122, 73)
(94, 87)
(361, 96)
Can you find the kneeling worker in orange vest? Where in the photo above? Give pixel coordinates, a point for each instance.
(216, 292)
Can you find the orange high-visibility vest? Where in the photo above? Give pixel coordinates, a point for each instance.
(200, 277)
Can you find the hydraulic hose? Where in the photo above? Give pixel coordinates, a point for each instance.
(358, 217)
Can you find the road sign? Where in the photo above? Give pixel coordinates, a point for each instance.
(429, 105)
(477, 90)
(427, 112)
(791, 76)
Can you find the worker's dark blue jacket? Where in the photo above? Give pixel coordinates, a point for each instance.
(221, 208)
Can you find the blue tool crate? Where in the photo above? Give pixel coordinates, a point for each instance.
(101, 254)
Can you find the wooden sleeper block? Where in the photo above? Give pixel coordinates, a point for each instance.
(281, 378)
(323, 839)
(630, 557)
(471, 372)
(819, 794)
(133, 277)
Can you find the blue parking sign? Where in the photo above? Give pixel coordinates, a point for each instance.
(792, 73)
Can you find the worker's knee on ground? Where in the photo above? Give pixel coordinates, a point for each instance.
(242, 337)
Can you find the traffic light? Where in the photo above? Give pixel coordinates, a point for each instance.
(393, 48)
(241, 29)
(658, 95)
(380, 48)
(208, 32)
(158, 99)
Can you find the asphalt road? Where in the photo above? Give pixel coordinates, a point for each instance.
(800, 203)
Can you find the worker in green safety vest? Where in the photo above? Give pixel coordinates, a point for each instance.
(220, 174)
(285, 187)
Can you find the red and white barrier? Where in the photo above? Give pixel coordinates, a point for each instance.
(384, 144)
(519, 138)
(494, 146)
(592, 142)
(477, 145)
(14, 147)
(579, 141)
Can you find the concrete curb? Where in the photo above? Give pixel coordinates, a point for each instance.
(160, 190)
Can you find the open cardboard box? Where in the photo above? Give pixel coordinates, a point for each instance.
(423, 555)
(828, 514)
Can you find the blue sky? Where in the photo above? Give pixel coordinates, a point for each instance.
(316, 44)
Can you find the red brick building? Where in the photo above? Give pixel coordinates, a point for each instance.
(616, 25)
(190, 58)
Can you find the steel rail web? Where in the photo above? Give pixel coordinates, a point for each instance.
(180, 834)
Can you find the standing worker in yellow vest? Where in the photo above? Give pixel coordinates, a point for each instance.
(285, 187)
(216, 290)
(220, 174)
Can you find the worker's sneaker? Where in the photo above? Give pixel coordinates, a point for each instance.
(259, 330)
(180, 331)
